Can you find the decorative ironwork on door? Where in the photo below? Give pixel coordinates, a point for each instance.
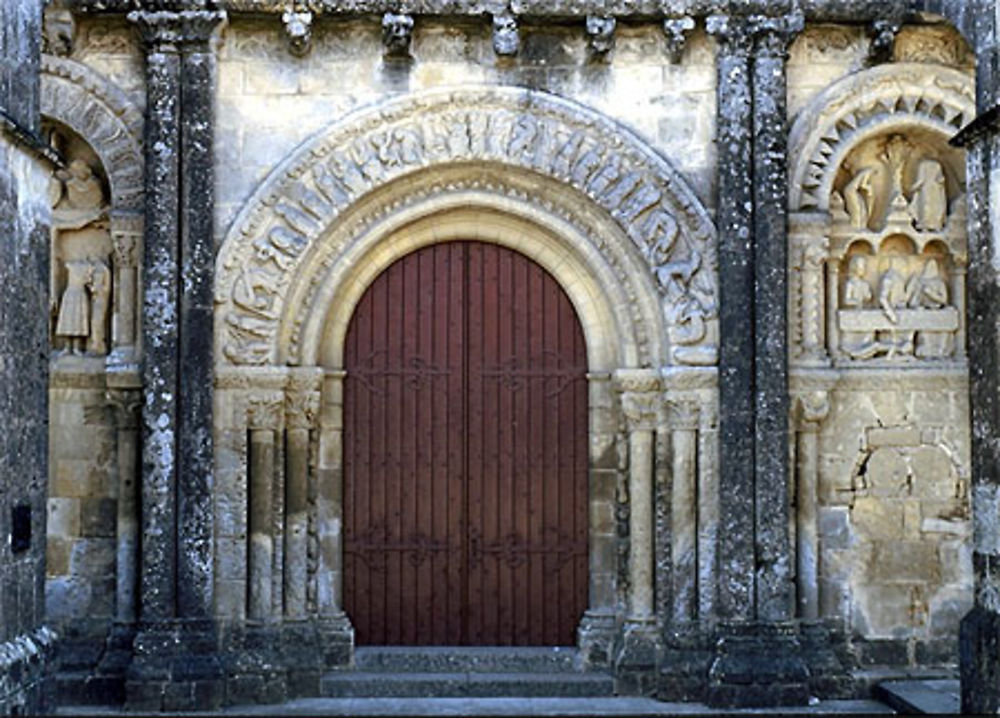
(465, 453)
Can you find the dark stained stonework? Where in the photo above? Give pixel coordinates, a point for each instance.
(26, 645)
(176, 664)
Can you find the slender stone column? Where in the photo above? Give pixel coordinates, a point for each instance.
(684, 418)
(126, 240)
(979, 635)
(301, 412)
(264, 415)
(809, 245)
(812, 409)
(641, 401)
(126, 404)
(176, 583)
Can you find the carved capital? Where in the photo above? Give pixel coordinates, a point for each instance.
(397, 33)
(683, 415)
(302, 400)
(600, 33)
(811, 409)
(734, 33)
(774, 35)
(126, 249)
(506, 38)
(676, 30)
(641, 397)
(297, 23)
(265, 411)
(169, 31)
(125, 405)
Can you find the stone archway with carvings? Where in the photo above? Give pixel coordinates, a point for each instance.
(877, 262)
(582, 196)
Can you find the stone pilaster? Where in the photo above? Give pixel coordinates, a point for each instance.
(811, 411)
(979, 639)
(757, 657)
(641, 401)
(736, 297)
(175, 665)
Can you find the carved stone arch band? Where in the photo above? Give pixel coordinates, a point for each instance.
(940, 99)
(102, 114)
(579, 174)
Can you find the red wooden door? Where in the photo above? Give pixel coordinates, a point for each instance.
(465, 454)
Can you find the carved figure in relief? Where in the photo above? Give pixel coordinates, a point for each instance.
(859, 197)
(74, 309)
(928, 290)
(100, 291)
(929, 204)
(81, 190)
(857, 295)
(893, 295)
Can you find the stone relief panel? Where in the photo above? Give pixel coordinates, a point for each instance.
(529, 130)
(877, 261)
(81, 250)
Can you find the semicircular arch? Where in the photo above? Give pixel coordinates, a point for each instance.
(537, 157)
(103, 115)
(886, 98)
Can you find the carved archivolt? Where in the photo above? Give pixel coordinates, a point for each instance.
(529, 133)
(102, 114)
(939, 99)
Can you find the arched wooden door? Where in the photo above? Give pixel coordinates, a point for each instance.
(465, 454)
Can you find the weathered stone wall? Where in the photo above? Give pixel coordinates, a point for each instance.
(893, 532)
(26, 645)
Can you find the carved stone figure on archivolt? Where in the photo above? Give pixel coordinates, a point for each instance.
(81, 249)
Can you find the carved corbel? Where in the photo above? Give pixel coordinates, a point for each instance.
(506, 37)
(58, 32)
(298, 30)
(883, 40)
(601, 33)
(397, 33)
(676, 30)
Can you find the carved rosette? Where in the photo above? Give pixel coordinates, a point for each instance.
(505, 126)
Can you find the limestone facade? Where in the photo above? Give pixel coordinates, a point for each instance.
(230, 183)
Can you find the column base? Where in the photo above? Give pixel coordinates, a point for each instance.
(638, 658)
(757, 665)
(175, 667)
(979, 660)
(687, 654)
(595, 637)
(824, 649)
(337, 640)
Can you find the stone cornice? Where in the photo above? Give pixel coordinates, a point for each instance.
(813, 10)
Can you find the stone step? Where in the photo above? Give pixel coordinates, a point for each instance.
(471, 659)
(84, 688)
(915, 697)
(382, 684)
